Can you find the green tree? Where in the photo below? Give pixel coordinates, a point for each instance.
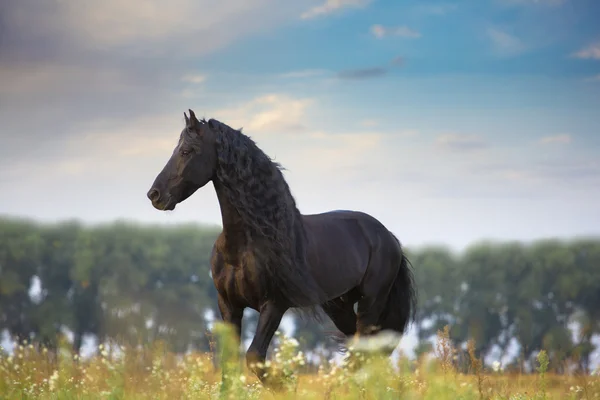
(438, 280)
(20, 247)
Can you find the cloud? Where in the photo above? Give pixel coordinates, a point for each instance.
(557, 139)
(380, 31)
(52, 77)
(138, 36)
(150, 26)
(71, 65)
(397, 61)
(331, 6)
(505, 44)
(460, 142)
(591, 52)
(194, 78)
(144, 138)
(537, 172)
(305, 73)
(362, 73)
(369, 123)
(270, 113)
(370, 72)
(565, 171)
(334, 150)
(102, 150)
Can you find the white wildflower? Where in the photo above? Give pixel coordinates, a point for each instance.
(52, 380)
(496, 366)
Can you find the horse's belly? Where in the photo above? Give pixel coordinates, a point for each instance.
(338, 271)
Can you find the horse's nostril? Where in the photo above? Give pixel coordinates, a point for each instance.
(153, 194)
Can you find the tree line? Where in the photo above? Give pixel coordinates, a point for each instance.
(142, 283)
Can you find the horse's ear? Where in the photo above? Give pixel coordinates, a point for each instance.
(193, 121)
(187, 120)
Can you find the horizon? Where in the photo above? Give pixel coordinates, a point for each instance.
(218, 227)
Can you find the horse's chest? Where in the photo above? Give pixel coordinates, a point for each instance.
(237, 279)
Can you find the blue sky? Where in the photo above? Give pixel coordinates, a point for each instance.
(450, 121)
(435, 38)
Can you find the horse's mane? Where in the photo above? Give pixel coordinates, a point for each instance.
(255, 187)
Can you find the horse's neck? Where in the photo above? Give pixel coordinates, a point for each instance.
(233, 226)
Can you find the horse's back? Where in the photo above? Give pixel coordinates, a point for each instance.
(369, 225)
(352, 222)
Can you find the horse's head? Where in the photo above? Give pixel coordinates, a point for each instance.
(191, 166)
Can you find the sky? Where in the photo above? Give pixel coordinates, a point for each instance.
(450, 121)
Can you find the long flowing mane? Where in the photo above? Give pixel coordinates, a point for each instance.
(255, 187)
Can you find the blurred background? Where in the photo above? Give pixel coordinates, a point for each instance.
(470, 129)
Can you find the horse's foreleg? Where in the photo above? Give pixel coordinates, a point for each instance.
(268, 322)
(231, 315)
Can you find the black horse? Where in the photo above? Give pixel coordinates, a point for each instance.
(270, 257)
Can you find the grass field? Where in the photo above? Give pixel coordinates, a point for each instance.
(152, 373)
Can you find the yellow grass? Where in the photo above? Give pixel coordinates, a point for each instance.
(154, 373)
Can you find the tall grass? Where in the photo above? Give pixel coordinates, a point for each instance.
(155, 373)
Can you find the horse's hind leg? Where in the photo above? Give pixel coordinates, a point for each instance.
(375, 287)
(369, 310)
(341, 312)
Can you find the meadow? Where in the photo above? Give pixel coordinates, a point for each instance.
(152, 372)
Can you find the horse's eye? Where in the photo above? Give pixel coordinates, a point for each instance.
(185, 152)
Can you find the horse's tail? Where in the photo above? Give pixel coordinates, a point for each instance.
(401, 304)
